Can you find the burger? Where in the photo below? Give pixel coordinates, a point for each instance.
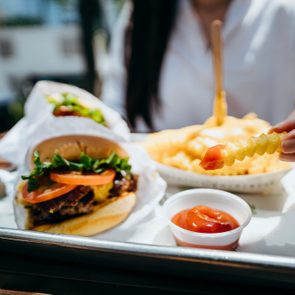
(70, 105)
(78, 184)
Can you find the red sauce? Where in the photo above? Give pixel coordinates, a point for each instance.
(203, 219)
(214, 158)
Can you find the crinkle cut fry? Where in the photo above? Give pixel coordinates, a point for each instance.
(218, 156)
(170, 141)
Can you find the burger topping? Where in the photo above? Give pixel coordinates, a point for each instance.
(69, 105)
(76, 178)
(85, 167)
(60, 189)
(46, 192)
(124, 184)
(101, 192)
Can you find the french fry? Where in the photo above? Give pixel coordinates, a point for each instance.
(218, 156)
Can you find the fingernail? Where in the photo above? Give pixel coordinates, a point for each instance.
(288, 146)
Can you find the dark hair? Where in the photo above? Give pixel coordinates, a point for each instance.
(91, 17)
(145, 45)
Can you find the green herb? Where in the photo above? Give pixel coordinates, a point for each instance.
(253, 209)
(40, 169)
(72, 102)
(85, 164)
(59, 162)
(98, 166)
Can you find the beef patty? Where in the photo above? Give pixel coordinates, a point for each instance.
(78, 201)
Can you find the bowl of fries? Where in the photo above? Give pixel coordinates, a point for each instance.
(252, 163)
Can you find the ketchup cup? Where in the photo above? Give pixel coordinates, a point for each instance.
(216, 199)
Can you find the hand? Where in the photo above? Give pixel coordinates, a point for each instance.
(288, 143)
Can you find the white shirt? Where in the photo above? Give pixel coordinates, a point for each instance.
(259, 65)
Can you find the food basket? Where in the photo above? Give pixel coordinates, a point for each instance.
(255, 183)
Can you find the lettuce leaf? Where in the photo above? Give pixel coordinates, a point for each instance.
(72, 102)
(85, 164)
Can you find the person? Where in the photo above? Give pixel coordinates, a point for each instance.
(160, 72)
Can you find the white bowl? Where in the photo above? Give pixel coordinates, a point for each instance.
(252, 183)
(216, 199)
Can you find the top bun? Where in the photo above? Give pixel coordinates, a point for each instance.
(71, 146)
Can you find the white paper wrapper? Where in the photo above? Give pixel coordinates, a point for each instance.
(37, 108)
(256, 183)
(151, 187)
(38, 112)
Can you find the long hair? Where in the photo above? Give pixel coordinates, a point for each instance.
(145, 45)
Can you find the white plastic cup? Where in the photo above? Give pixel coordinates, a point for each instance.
(216, 199)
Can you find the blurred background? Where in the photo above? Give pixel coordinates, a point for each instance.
(59, 40)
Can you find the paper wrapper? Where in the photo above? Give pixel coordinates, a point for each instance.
(38, 112)
(151, 187)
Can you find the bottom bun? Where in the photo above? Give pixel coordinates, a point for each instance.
(105, 216)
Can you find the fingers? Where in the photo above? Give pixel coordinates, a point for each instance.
(288, 143)
(288, 147)
(287, 157)
(285, 126)
(290, 135)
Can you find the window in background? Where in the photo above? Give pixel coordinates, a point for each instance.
(60, 40)
(39, 39)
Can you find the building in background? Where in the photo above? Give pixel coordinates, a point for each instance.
(49, 39)
(38, 39)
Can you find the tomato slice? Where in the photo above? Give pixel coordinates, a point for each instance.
(77, 178)
(46, 192)
(214, 158)
(64, 111)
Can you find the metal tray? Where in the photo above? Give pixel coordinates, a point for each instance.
(75, 263)
(154, 266)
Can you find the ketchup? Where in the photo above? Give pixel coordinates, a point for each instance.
(214, 158)
(203, 219)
